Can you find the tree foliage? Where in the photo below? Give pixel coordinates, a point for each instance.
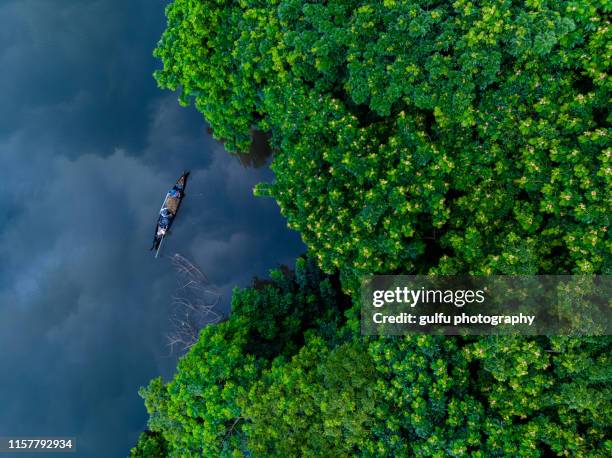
(280, 378)
(321, 403)
(415, 135)
(150, 445)
(410, 136)
(493, 396)
(198, 412)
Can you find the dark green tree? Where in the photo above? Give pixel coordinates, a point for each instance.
(493, 396)
(198, 412)
(321, 403)
(150, 445)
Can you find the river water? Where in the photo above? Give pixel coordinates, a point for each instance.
(88, 148)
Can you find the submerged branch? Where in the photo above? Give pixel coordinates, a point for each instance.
(194, 305)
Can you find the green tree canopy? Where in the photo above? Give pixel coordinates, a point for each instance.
(150, 445)
(198, 412)
(417, 135)
(282, 378)
(321, 403)
(411, 136)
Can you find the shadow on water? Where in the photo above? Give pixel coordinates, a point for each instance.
(260, 151)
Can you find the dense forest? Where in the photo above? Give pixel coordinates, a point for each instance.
(409, 136)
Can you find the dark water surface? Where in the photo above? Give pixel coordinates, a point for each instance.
(88, 147)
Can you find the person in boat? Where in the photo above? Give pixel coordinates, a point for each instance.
(165, 216)
(166, 213)
(176, 192)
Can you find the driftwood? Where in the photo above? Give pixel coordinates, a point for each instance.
(194, 305)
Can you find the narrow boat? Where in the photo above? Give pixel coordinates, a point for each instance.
(168, 211)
